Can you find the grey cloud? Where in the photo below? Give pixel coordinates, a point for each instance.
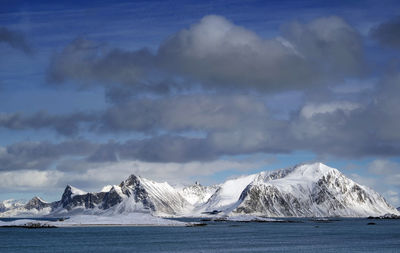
(176, 114)
(15, 39)
(68, 124)
(40, 155)
(157, 149)
(218, 54)
(233, 125)
(181, 113)
(370, 129)
(89, 62)
(388, 33)
(330, 45)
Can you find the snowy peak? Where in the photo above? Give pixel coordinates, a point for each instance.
(70, 192)
(313, 170)
(146, 195)
(36, 203)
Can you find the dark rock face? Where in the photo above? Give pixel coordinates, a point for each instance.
(133, 187)
(36, 203)
(269, 200)
(323, 194)
(111, 198)
(88, 200)
(2, 207)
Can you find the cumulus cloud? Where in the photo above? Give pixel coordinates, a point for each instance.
(218, 54)
(388, 33)
(15, 39)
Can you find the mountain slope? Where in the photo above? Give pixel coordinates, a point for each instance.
(197, 194)
(309, 190)
(159, 198)
(226, 195)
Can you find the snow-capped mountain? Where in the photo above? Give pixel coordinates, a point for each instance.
(135, 194)
(159, 198)
(309, 190)
(34, 207)
(11, 204)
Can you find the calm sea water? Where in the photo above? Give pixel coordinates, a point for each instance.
(346, 235)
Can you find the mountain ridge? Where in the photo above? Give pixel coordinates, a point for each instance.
(305, 190)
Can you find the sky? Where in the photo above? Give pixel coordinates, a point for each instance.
(185, 91)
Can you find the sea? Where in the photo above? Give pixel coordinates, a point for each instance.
(293, 235)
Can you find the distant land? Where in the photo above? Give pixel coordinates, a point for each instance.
(307, 190)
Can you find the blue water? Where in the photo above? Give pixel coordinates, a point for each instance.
(346, 235)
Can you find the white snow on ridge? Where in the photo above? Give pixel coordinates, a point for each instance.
(106, 188)
(197, 194)
(75, 191)
(228, 193)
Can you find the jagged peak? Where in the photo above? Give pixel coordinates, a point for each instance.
(69, 189)
(36, 198)
(131, 180)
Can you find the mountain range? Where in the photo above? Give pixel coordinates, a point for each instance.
(307, 190)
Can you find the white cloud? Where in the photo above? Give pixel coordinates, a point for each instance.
(96, 175)
(29, 179)
(310, 110)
